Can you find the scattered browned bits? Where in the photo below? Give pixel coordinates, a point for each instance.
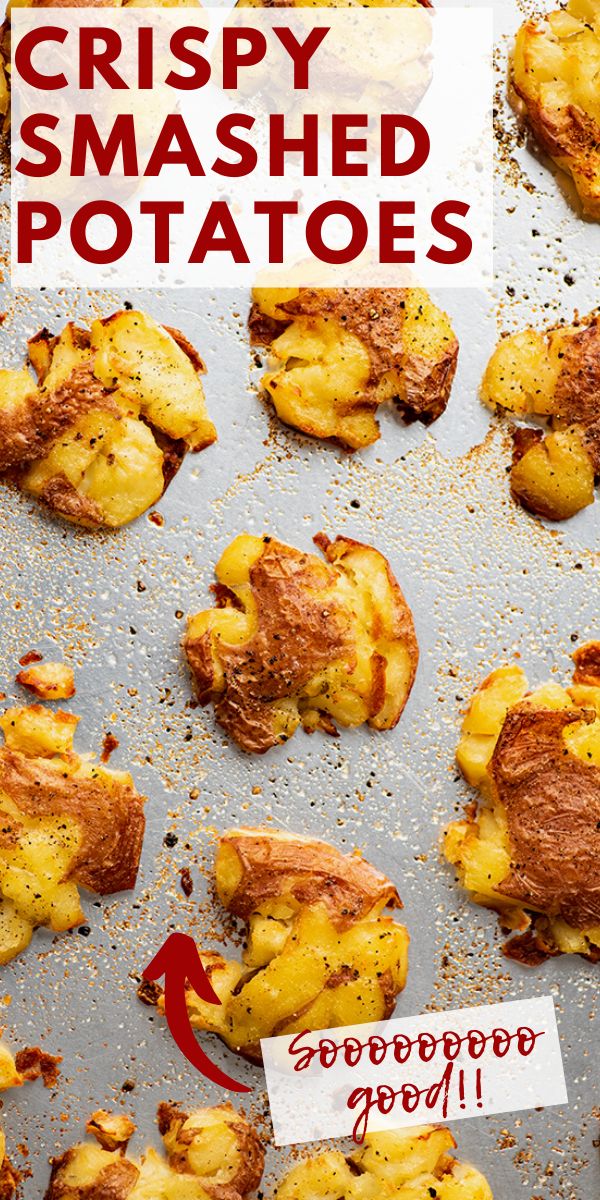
(187, 883)
(48, 680)
(33, 1063)
(110, 743)
(32, 656)
(295, 640)
(343, 352)
(312, 913)
(530, 848)
(149, 993)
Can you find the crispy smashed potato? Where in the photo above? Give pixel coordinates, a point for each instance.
(555, 70)
(297, 641)
(48, 680)
(405, 1164)
(555, 376)
(113, 414)
(67, 822)
(343, 352)
(211, 1154)
(8, 1176)
(319, 953)
(530, 849)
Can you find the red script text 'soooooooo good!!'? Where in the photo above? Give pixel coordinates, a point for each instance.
(298, 641)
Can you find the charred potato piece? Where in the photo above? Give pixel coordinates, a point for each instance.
(113, 414)
(555, 376)
(530, 849)
(211, 1154)
(555, 68)
(29, 1063)
(406, 1164)
(67, 822)
(48, 680)
(298, 641)
(320, 952)
(343, 352)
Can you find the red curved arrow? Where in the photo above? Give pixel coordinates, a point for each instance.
(178, 960)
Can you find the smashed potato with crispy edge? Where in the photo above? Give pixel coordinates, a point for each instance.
(554, 75)
(114, 412)
(531, 848)
(345, 351)
(319, 953)
(297, 641)
(67, 822)
(556, 376)
(403, 1164)
(211, 1154)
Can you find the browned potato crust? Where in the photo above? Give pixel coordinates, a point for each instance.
(115, 410)
(345, 351)
(211, 1154)
(320, 952)
(66, 822)
(402, 1164)
(48, 680)
(295, 640)
(554, 75)
(555, 375)
(531, 849)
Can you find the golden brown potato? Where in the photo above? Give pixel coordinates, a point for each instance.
(555, 376)
(211, 1154)
(555, 68)
(48, 680)
(405, 1164)
(320, 952)
(8, 1176)
(297, 641)
(530, 849)
(113, 414)
(67, 822)
(343, 352)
